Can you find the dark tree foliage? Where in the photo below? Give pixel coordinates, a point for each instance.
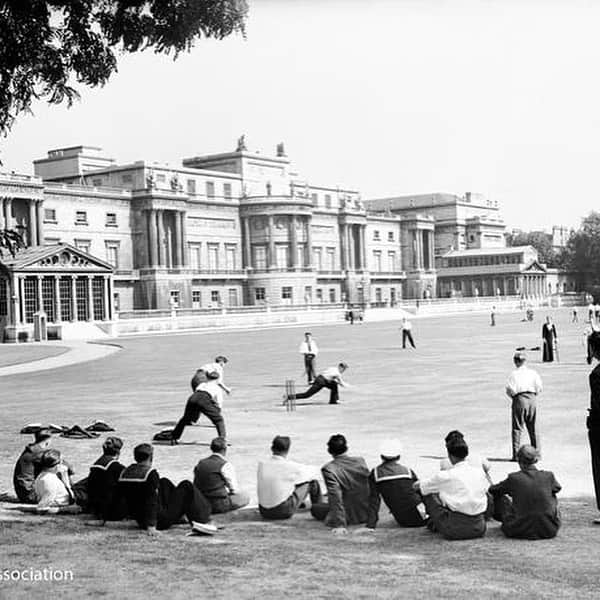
(48, 47)
(541, 241)
(10, 242)
(582, 254)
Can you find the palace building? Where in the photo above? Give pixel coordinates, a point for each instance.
(231, 229)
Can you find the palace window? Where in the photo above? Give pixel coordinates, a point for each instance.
(191, 186)
(111, 219)
(378, 295)
(315, 199)
(319, 295)
(30, 298)
(332, 295)
(66, 300)
(376, 235)
(195, 258)
(286, 293)
(213, 256)
(227, 191)
(318, 258)
(98, 297)
(81, 217)
(174, 296)
(327, 201)
(48, 298)
(393, 265)
(230, 252)
(81, 291)
(377, 261)
(210, 189)
(331, 259)
(215, 297)
(96, 182)
(390, 236)
(233, 296)
(112, 253)
(259, 293)
(196, 298)
(259, 256)
(49, 215)
(3, 297)
(127, 178)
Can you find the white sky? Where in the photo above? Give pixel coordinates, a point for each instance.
(389, 97)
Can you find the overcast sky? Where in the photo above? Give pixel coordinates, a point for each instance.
(388, 97)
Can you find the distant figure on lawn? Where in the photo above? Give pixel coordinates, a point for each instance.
(330, 378)
(155, 502)
(593, 419)
(393, 482)
(199, 403)
(473, 459)
(283, 485)
(549, 339)
(523, 387)
(525, 502)
(406, 329)
(493, 317)
(103, 480)
(309, 351)
(456, 500)
(215, 477)
(347, 481)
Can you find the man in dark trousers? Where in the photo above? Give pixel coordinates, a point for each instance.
(347, 481)
(309, 350)
(215, 477)
(407, 333)
(593, 419)
(155, 502)
(525, 502)
(394, 483)
(102, 497)
(330, 378)
(200, 403)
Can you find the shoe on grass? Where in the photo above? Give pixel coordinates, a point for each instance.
(203, 529)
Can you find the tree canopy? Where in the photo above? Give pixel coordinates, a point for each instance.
(541, 241)
(582, 254)
(48, 47)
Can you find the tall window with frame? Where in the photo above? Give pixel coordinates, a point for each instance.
(281, 255)
(66, 299)
(318, 258)
(233, 296)
(332, 295)
(377, 261)
(215, 297)
(3, 297)
(196, 299)
(259, 256)
(260, 294)
(112, 253)
(30, 304)
(286, 294)
(327, 200)
(195, 255)
(227, 191)
(230, 257)
(48, 298)
(213, 257)
(331, 259)
(392, 262)
(98, 284)
(81, 290)
(83, 245)
(210, 189)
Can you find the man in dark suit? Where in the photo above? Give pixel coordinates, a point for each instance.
(347, 481)
(593, 419)
(525, 502)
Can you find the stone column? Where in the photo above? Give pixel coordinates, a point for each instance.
(90, 288)
(178, 242)
(57, 307)
(105, 289)
(309, 252)
(2, 214)
(8, 223)
(247, 255)
(32, 224)
(350, 247)
(152, 242)
(38, 289)
(74, 315)
(39, 213)
(343, 247)
(293, 243)
(184, 246)
(160, 227)
(363, 247)
(271, 258)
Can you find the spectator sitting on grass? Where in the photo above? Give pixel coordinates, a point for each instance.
(51, 486)
(525, 502)
(28, 467)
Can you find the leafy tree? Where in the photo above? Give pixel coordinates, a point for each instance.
(47, 45)
(541, 241)
(582, 254)
(10, 241)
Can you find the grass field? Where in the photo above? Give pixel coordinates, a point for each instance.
(14, 354)
(455, 379)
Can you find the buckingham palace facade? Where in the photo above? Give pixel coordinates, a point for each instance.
(229, 229)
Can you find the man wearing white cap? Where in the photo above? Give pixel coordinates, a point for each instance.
(393, 482)
(523, 387)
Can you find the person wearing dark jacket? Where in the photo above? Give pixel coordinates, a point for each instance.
(215, 477)
(28, 467)
(347, 481)
(394, 483)
(156, 503)
(103, 480)
(525, 502)
(593, 419)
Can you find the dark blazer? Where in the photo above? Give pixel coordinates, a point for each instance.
(347, 481)
(534, 512)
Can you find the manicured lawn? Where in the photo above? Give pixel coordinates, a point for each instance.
(14, 354)
(455, 379)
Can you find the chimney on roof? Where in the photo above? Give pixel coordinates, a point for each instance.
(467, 196)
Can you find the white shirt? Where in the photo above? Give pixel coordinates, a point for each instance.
(523, 379)
(277, 478)
(313, 348)
(333, 374)
(214, 389)
(406, 326)
(472, 459)
(50, 490)
(213, 368)
(462, 488)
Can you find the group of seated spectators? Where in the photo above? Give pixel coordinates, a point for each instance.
(456, 502)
